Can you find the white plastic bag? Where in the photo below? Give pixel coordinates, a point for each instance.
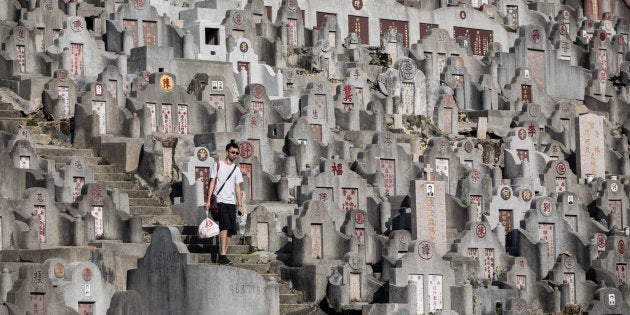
(208, 228)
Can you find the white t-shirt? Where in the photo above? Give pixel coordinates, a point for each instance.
(228, 193)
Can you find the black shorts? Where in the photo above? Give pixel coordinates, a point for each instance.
(227, 218)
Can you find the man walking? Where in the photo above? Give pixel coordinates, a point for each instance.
(225, 180)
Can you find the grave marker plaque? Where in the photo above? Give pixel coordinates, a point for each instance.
(40, 211)
(217, 101)
(37, 303)
(358, 93)
(429, 213)
(435, 293)
(521, 282)
(201, 174)
(77, 184)
(317, 132)
(591, 146)
(359, 233)
(112, 88)
(167, 118)
(602, 59)
(569, 277)
(360, 26)
(526, 93)
(419, 283)
(64, 94)
(132, 25)
(488, 263)
(448, 120)
(401, 27)
(149, 31)
(572, 221)
(407, 94)
(153, 116)
(321, 106)
(76, 55)
(388, 168)
(262, 235)
(477, 200)
(616, 211)
(425, 28)
(320, 18)
(21, 57)
(505, 217)
(561, 184)
(536, 64)
(350, 199)
(620, 272)
(86, 308)
(259, 106)
(316, 241)
(355, 287)
(512, 13)
(523, 155)
(246, 170)
(545, 232)
(479, 39)
(441, 62)
(99, 108)
(292, 35)
(182, 115)
(97, 213)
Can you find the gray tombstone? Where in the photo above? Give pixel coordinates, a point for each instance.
(33, 293)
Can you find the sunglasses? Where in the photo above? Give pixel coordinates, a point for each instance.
(233, 152)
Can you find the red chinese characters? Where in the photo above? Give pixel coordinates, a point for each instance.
(347, 93)
(337, 169)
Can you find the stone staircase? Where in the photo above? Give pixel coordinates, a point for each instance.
(153, 211)
(11, 118)
(243, 256)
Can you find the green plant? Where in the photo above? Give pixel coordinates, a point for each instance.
(103, 161)
(31, 122)
(465, 202)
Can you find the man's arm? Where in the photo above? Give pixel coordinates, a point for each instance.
(239, 199)
(213, 182)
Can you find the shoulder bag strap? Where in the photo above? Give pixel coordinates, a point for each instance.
(228, 178)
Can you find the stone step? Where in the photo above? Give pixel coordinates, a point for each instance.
(51, 151)
(113, 177)
(153, 221)
(284, 287)
(290, 298)
(146, 202)
(294, 309)
(6, 106)
(61, 159)
(237, 259)
(121, 185)
(195, 240)
(12, 124)
(41, 138)
(232, 249)
(136, 193)
(9, 113)
(260, 268)
(103, 169)
(149, 210)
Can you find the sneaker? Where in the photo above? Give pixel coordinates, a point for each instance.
(227, 261)
(223, 260)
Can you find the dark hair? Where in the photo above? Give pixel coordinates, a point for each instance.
(231, 145)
